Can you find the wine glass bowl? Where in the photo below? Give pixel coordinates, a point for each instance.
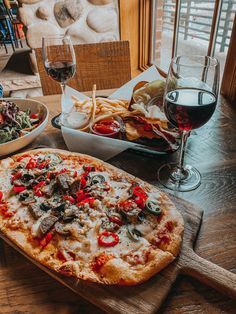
(59, 58)
(200, 108)
(59, 61)
(60, 71)
(189, 102)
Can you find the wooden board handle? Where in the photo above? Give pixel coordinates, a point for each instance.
(212, 275)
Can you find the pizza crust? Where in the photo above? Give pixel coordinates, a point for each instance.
(115, 271)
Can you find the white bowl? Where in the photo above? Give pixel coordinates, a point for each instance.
(35, 107)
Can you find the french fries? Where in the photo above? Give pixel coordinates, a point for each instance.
(106, 106)
(99, 108)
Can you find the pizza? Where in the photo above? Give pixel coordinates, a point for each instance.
(84, 218)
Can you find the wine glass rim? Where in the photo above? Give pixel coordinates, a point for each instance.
(213, 61)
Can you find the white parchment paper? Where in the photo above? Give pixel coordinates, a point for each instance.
(98, 146)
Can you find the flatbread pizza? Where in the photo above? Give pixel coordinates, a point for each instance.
(84, 218)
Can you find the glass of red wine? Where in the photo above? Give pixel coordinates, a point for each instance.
(59, 60)
(189, 102)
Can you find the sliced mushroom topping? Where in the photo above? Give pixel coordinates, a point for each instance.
(54, 158)
(62, 229)
(132, 215)
(46, 224)
(69, 215)
(55, 200)
(134, 212)
(75, 187)
(67, 218)
(97, 193)
(27, 198)
(35, 210)
(39, 172)
(63, 181)
(59, 210)
(97, 189)
(48, 189)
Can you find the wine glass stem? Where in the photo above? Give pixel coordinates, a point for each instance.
(184, 136)
(63, 88)
(180, 173)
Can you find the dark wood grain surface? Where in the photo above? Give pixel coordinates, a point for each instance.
(212, 149)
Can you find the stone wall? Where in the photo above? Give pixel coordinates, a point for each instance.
(86, 21)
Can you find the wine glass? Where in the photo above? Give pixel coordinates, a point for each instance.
(189, 102)
(59, 61)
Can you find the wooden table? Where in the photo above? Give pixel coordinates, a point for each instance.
(212, 149)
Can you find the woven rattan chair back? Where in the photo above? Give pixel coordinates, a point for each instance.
(105, 64)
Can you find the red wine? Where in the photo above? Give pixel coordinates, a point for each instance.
(189, 108)
(60, 71)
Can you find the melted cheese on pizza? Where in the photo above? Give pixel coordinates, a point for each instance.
(82, 210)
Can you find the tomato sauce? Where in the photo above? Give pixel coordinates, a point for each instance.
(109, 128)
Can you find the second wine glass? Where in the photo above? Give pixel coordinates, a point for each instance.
(190, 101)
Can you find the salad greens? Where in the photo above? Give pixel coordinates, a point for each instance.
(14, 122)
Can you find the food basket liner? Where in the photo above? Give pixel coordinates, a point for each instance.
(99, 146)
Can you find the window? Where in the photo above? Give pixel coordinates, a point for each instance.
(159, 29)
(185, 27)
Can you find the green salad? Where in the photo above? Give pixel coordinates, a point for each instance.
(14, 122)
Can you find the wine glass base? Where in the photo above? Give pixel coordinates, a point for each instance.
(188, 182)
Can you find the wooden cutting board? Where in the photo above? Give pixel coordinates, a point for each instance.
(148, 297)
